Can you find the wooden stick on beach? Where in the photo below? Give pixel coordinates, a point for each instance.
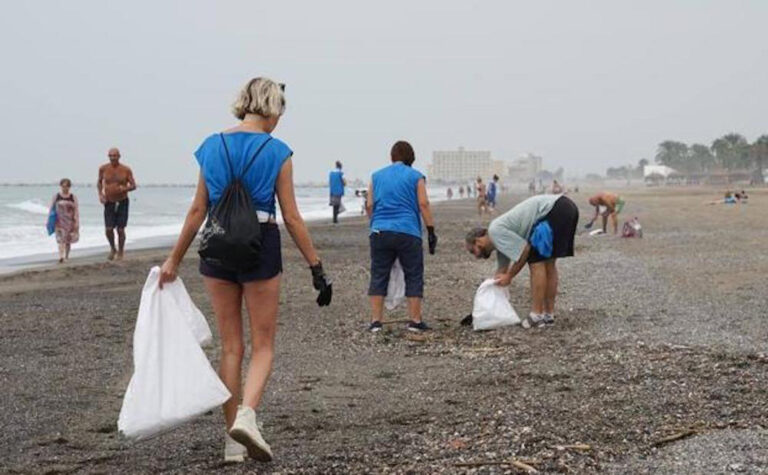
(514, 462)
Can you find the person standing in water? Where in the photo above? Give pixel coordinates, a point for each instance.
(259, 107)
(336, 183)
(67, 227)
(114, 183)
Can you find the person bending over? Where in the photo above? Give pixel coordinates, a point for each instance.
(536, 232)
(607, 205)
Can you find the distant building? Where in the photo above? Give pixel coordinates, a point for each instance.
(661, 171)
(463, 165)
(525, 168)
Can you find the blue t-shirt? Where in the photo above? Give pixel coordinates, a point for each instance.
(336, 182)
(395, 200)
(261, 178)
(491, 191)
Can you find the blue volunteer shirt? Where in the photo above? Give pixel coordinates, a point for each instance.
(261, 178)
(395, 200)
(492, 191)
(336, 182)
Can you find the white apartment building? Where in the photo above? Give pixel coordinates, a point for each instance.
(464, 165)
(525, 168)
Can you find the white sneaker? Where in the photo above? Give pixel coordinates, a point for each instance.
(245, 431)
(234, 452)
(532, 320)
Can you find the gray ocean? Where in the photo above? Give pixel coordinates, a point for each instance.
(155, 212)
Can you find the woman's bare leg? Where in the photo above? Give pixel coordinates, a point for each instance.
(377, 308)
(414, 308)
(261, 299)
(67, 249)
(227, 300)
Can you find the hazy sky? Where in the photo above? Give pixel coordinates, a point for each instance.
(585, 84)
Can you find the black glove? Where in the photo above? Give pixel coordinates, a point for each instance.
(431, 239)
(320, 282)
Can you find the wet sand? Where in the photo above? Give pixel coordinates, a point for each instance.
(657, 362)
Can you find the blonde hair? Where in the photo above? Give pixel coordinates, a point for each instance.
(261, 96)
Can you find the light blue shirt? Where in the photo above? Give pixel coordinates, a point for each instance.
(395, 200)
(260, 179)
(510, 232)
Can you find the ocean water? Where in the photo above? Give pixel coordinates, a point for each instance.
(154, 212)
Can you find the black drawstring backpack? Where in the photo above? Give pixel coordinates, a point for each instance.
(231, 237)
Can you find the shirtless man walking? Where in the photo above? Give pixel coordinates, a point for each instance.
(607, 204)
(115, 181)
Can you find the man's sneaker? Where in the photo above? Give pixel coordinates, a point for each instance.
(549, 319)
(246, 432)
(417, 327)
(234, 452)
(375, 327)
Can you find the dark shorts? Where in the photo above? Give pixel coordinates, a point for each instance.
(116, 214)
(386, 246)
(270, 260)
(563, 219)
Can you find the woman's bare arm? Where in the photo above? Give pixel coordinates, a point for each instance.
(426, 211)
(77, 211)
(294, 223)
(192, 223)
(369, 201)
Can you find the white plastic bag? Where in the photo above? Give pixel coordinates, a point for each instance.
(172, 381)
(492, 308)
(195, 318)
(396, 288)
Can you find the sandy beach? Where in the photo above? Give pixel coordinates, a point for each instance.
(657, 362)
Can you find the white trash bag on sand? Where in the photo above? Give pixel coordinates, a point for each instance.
(492, 308)
(396, 288)
(172, 381)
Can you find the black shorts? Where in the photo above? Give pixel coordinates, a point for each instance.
(270, 260)
(386, 246)
(563, 219)
(116, 214)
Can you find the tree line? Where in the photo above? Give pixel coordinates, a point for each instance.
(730, 152)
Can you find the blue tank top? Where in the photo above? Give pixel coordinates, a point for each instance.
(261, 178)
(395, 200)
(336, 182)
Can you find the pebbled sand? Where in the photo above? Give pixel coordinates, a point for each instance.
(654, 337)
